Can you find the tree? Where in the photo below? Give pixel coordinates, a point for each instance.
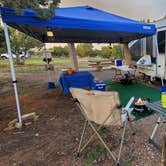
(84, 49)
(105, 52)
(21, 42)
(44, 8)
(2, 41)
(95, 53)
(60, 51)
(117, 51)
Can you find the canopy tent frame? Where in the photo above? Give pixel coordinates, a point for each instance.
(14, 80)
(82, 24)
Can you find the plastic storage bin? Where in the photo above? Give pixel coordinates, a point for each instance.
(99, 85)
(51, 85)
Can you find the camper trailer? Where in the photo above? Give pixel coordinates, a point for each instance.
(150, 52)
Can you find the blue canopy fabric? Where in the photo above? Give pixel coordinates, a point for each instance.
(78, 24)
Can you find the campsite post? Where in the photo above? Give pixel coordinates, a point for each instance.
(73, 56)
(127, 54)
(14, 81)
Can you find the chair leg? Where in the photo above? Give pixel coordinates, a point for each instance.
(102, 141)
(122, 141)
(94, 133)
(83, 132)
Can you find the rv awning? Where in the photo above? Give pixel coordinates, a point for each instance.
(78, 24)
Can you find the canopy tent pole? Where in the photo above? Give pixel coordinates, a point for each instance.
(14, 81)
(127, 54)
(73, 56)
(47, 63)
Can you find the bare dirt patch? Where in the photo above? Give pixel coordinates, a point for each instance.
(53, 139)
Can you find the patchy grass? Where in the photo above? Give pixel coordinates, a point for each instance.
(93, 154)
(126, 161)
(36, 64)
(103, 130)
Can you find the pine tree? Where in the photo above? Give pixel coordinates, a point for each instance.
(44, 8)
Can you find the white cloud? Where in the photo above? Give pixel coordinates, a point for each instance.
(136, 9)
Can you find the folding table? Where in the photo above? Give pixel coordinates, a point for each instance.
(123, 68)
(157, 107)
(80, 79)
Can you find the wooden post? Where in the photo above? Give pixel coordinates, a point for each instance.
(73, 56)
(163, 159)
(127, 54)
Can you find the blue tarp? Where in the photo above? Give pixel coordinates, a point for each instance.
(76, 80)
(78, 24)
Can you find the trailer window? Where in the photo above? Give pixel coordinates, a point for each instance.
(161, 41)
(149, 45)
(135, 50)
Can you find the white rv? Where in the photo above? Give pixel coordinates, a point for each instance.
(150, 52)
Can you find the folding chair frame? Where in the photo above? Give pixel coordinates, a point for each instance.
(160, 121)
(88, 122)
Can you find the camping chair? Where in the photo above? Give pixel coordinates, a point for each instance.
(104, 109)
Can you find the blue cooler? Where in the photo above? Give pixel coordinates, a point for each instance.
(118, 62)
(99, 85)
(51, 85)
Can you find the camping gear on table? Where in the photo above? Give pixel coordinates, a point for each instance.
(81, 79)
(104, 109)
(126, 79)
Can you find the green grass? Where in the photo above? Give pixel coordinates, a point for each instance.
(36, 64)
(137, 90)
(93, 154)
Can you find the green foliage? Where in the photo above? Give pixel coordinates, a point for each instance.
(60, 51)
(105, 52)
(2, 41)
(94, 53)
(84, 50)
(44, 8)
(117, 51)
(22, 42)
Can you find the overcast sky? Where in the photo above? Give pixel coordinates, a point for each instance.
(135, 9)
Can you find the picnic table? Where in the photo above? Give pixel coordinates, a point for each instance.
(82, 79)
(99, 64)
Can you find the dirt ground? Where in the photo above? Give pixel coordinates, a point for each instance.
(53, 139)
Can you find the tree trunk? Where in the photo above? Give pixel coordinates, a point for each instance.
(17, 59)
(73, 56)
(163, 160)
(127, 54)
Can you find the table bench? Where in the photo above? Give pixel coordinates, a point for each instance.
(99, 64)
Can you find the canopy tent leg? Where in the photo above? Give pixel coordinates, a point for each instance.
(73, 56)
(47, 63)
(127, 54)
(13, 73)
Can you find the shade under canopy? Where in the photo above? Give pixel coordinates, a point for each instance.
(78, 24)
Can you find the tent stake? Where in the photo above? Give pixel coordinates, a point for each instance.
(12, 73)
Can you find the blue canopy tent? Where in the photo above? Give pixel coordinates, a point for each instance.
(78, 24)
(73, 25)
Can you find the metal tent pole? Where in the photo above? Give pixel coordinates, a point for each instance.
(12, 73)
(48, 70)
